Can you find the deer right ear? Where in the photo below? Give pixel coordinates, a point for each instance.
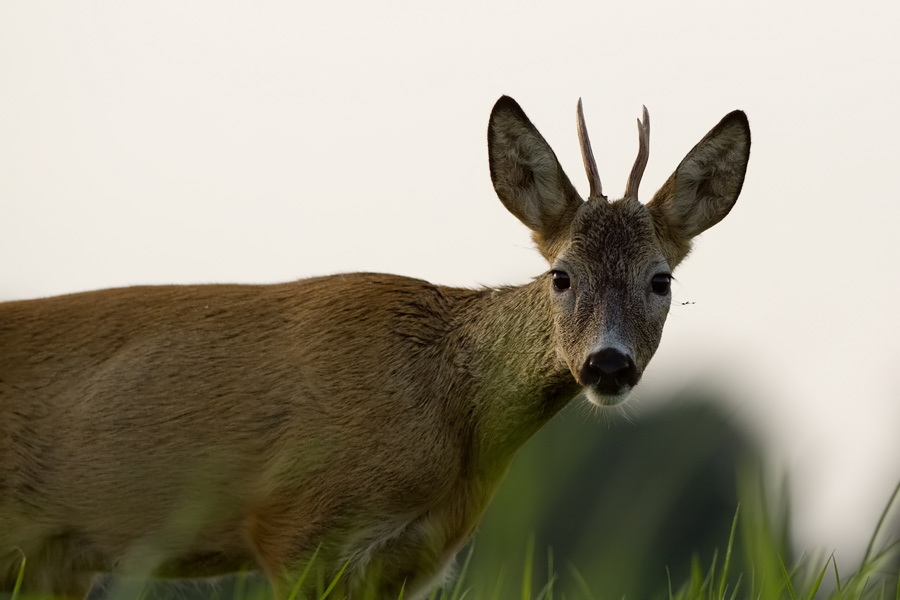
(528, 178)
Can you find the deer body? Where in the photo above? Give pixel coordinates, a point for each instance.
(196, 430)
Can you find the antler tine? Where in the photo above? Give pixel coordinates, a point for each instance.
(640, 163)
(590, 165)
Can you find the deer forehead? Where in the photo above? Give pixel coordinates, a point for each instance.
(613, 240)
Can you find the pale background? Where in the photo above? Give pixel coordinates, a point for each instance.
(173, 142)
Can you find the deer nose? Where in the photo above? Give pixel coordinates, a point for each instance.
(609, 371)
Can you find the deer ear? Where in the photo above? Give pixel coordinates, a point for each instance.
(528, 178)
(703, 188)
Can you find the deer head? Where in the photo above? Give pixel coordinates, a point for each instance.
(611, 263)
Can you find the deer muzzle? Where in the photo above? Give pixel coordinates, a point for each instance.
(609, 372)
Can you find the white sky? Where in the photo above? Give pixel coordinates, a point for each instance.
(169, 142)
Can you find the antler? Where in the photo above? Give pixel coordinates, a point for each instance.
(590, 165)
(637, 171)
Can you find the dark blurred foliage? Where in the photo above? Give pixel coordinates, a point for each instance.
(620, 501)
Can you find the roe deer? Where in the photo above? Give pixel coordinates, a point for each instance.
(365, 419)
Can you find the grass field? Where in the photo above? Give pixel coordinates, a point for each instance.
(762, 574)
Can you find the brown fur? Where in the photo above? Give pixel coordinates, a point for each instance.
(187, 431)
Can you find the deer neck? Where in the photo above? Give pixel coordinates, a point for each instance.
(520, 381)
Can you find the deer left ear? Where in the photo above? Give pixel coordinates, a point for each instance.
(703, 188)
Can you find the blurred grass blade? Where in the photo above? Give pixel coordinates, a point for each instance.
(837, 577)
(546, 589)
(582, 584)
(815, 588)
(144, 591)
(529, 565)
(734, 522)
(20, 577)
(499, 585)
(696, 578)
(737, 586)
(551, 575)
(710, 580)
(787, 579)
(884, 514)
(865, 585)
(462, 574)
(882, 556)
(240, 586)
(898, 587)
(337, 578)
(303, 575)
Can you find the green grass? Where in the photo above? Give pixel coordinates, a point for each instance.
(764, 574)
(765, 577)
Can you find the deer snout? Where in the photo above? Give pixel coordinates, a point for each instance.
(609, 372)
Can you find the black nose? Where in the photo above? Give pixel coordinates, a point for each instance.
(609, 371)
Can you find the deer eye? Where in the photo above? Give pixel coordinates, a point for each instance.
(560, 280)
(661, 283)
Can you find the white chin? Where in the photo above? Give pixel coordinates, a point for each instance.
(598, 399)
